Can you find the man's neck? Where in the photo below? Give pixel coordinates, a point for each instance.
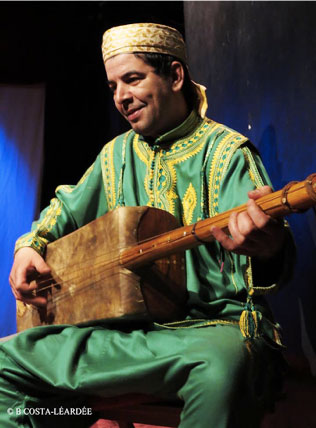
(181, 114)
(181, 131)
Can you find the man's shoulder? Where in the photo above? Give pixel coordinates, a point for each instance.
(221, 131)
(118, 141)
(223, 143)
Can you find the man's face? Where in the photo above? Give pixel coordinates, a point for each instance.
(145, 99)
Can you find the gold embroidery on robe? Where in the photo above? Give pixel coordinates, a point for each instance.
(108, 173)
(39, 243)
(221, 159)
(161, 172)
(252, 169)
(189, 204)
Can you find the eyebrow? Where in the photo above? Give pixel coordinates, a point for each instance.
(127, 75)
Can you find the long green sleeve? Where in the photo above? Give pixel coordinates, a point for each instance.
(72, 207)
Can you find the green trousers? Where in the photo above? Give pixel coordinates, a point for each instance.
(211, 369)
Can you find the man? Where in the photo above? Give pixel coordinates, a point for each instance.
(221, 360)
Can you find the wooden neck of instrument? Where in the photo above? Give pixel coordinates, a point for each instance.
(294, 197)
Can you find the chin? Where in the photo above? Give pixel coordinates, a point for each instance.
(140, 130)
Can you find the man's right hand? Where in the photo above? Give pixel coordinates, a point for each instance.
(27, 264)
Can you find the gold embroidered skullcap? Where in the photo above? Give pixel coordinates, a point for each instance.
(148, 37)
(143, 37)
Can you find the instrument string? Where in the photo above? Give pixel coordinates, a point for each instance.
(96, 269)
(94, 272)
(82, 265)
(84, 285)
(99, 268)
(105, 265)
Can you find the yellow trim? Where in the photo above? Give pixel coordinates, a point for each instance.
(35, 239)
(150, 177)
(173, 160)
(121, 175)
(196, 323)
(141, 149)
(220, 161)
(189, 201)
(186, 145)
(165, 161)
(85, 175)
(108, 173)
(252, 169)
(50, 217)
(70, 188)
(258, 182)
(232, 269)
(31, 240)
(67, 188)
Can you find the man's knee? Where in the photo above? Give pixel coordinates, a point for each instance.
(217, 376)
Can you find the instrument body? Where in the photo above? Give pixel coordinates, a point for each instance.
(88, 283)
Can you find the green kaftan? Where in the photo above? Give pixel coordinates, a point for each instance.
(197, 170)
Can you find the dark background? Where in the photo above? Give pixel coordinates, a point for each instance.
(260, 70)
(59, 44)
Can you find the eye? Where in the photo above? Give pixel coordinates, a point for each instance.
(132, 80)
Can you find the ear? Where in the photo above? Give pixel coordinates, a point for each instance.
(177, 75)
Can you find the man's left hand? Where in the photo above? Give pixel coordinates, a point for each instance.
(252, 232)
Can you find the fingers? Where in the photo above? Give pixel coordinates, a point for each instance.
(21, 279)
(28, 264)
(255, 216)
(236, 242)
(252, 232)
(40, 266)
(26, 292)
(35, 301)
(240, 225)
(261, 191)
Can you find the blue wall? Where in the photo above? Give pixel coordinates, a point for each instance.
(258, 62)
(21, 125)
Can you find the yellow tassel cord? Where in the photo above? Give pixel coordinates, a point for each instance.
(249, 322)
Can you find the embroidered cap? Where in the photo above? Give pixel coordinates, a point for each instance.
(143, 37)
(148, 37)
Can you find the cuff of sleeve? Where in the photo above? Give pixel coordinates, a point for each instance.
(275, 273)
(32, 240)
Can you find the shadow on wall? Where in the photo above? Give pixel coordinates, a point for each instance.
(258, 63)
(298, 308)
(269, 153)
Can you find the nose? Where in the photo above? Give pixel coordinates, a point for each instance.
(122, 93)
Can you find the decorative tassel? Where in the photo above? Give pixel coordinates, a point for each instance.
(250, 320)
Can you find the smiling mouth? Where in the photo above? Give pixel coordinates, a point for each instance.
(134, 114)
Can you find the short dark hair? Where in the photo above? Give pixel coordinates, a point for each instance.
(162, 65)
